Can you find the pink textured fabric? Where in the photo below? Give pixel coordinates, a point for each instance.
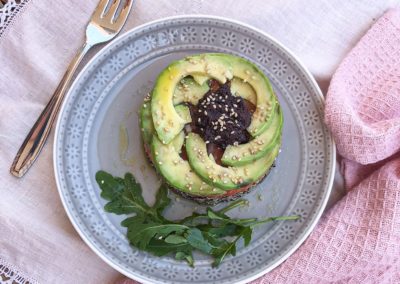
(358, 240)
(363, 104)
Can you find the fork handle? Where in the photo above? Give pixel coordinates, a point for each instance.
(34, 142)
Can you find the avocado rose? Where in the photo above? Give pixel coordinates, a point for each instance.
(212, 126)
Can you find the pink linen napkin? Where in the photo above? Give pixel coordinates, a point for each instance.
(358, 240)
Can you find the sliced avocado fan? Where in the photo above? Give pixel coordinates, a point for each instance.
(226, 177)
(221, 67)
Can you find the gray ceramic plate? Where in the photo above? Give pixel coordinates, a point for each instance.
(98, 129)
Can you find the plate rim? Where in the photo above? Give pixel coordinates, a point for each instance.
(120, 38)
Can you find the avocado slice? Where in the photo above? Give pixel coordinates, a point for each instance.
(147, 125)
(200, 79)
(221, 67)
(188, 90)
(226, 177)
(176, 171)
(244, 90)
(258, 147)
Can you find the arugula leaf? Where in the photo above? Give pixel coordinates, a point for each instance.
(220, 253)
(140, 235)
(222, 231)
(215, 240)
(213, 215)
(196, 239)
(230, 247)
(149, 230)
(271, 219)
(246, 234)
(133, 221)
(175, 239)
(162, 199)
(125, 195)
(185, 255)
(194, 219)
(111, 187)
(234, 204)
(161, 248)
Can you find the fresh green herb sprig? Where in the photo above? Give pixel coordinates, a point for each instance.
(150, 231)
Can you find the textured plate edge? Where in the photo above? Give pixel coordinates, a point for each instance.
(205, 17)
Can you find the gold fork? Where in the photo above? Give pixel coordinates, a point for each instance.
(104, 25)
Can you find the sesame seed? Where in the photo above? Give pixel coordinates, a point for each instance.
(156, 153)
(160, 163)
(144, 105)
(247, 72)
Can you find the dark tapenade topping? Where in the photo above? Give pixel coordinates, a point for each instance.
(222, 118)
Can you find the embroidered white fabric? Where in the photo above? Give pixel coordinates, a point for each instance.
(8, 11)
(9, 274)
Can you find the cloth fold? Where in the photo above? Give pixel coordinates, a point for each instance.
(358, 240)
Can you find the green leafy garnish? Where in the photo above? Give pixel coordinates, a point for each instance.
(150, 231)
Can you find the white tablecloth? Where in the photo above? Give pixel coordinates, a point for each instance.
(37, 240)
